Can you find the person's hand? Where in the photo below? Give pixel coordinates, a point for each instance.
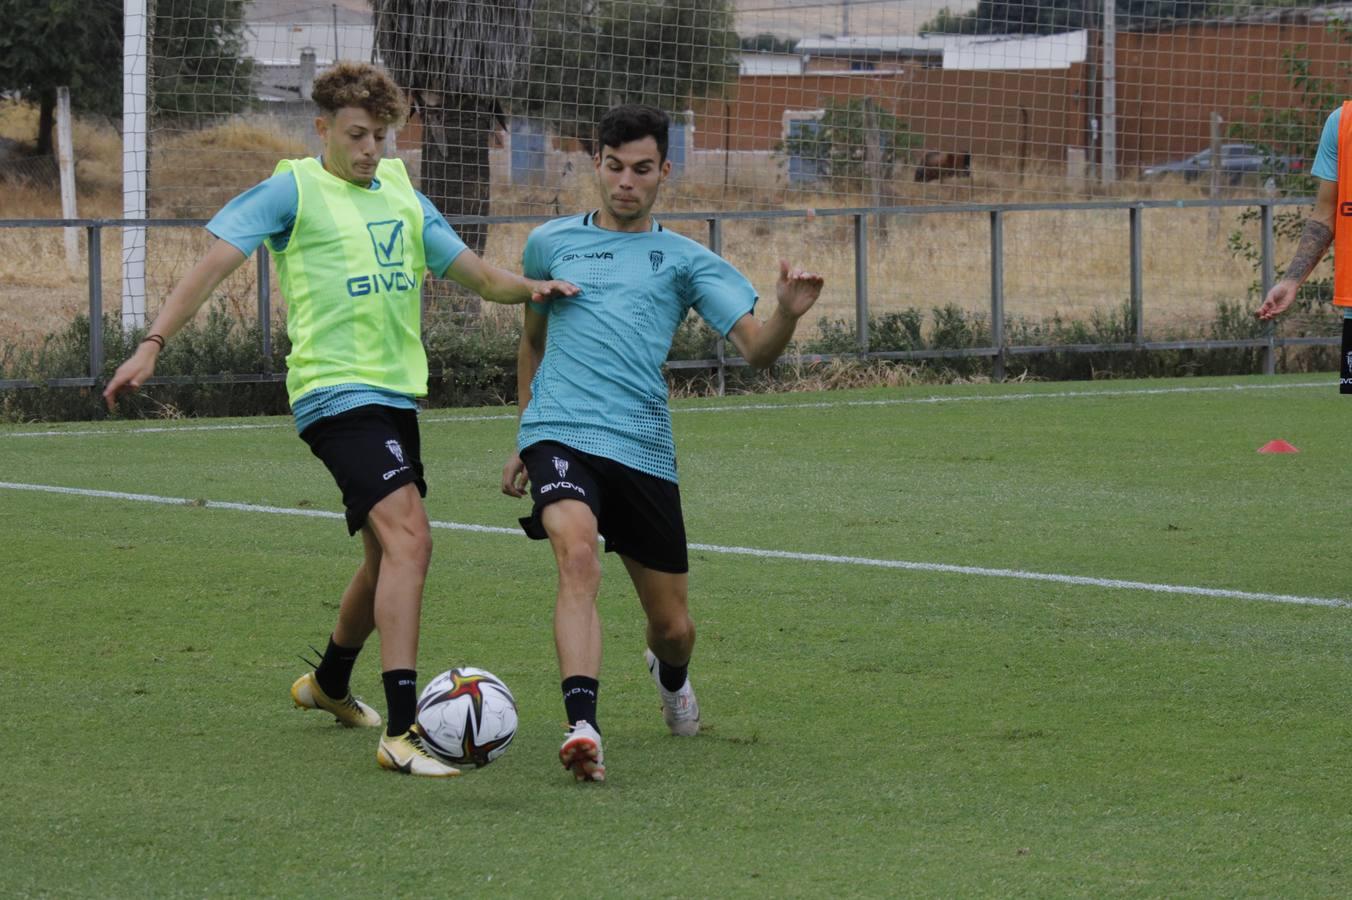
(1278, 300)
(797, 290)
(548, 290)
(132, 374)
(515, 478)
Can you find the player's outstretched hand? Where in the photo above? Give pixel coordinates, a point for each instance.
(1278, 300)
(797, 290)
(131, 374)
(547, 290)
(514, 477)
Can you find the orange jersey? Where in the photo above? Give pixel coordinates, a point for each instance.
(1342, 235)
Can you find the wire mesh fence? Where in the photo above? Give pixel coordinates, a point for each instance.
(786, 105)
(790, 104)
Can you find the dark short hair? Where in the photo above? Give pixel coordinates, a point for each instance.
(634, 122)
(360, 84)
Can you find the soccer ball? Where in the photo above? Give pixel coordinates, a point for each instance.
(467, 716)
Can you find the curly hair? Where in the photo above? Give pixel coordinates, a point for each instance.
(364, 85)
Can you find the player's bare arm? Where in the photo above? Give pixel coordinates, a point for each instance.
(179, 307)
(761, 343)
(529, 353)
(500, 286)
(1315, 239)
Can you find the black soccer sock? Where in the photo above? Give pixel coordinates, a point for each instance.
(672, 677)
(579, 699)
(401, 700)
(334, 671)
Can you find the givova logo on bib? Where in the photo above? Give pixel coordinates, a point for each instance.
(387, 239)
(387, 243)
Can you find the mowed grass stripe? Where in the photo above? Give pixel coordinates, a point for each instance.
(905, 565)
(432, 419)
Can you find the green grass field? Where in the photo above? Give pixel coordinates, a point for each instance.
(871, 730)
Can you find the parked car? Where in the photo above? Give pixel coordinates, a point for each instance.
(1237, 160)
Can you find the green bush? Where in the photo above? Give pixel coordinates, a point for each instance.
(473, 362)
(836, 146)
(219, 346)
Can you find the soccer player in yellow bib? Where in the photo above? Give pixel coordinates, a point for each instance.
(353, 240)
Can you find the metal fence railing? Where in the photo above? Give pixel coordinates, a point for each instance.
(999, 351)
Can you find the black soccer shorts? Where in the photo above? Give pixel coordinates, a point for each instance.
(638, 514)
(371, 451)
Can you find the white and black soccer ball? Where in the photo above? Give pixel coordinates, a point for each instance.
(467, 716)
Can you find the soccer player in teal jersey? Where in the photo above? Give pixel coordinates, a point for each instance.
(595, 443)
(353, 240)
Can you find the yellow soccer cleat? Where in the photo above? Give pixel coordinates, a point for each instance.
(406, 754)
(349, 711)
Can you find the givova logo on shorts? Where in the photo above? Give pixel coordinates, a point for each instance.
(561, 466)
(398, 453)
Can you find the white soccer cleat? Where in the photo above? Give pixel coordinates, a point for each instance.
(581, 752)
(680, 709)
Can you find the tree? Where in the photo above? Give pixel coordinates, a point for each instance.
(843, 144)
(459, 59)
(199, 67)
(589, 55)
(47, 45)
(196, 49)
(769, 43)
(1054, 16)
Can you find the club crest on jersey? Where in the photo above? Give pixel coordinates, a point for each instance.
(655, 257)
(561, 466)
(396, 451)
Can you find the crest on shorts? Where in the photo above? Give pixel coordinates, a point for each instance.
(561, 466)
(655, 257)
(1349, 360)
(396, 451)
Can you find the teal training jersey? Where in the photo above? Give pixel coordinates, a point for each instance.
(599, 388)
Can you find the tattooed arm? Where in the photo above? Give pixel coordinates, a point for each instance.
(1314, 241)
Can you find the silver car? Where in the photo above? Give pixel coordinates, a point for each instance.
(1237, 161)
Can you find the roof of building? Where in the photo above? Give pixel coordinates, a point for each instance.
(959, 51)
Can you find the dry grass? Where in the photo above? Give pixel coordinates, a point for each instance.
(1069, 263)
(195, 173)
(836, 374)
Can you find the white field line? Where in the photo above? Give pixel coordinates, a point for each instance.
(978, 571)
(740, 407)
